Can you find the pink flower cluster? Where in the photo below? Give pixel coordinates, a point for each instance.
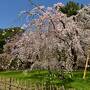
(50, 37)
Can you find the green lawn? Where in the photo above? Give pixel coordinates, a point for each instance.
(76, 78)
(80, 84)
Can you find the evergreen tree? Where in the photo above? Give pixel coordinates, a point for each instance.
(71, 8)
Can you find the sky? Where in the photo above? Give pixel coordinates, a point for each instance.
(10, 10)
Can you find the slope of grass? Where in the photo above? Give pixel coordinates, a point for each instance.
(77, 81)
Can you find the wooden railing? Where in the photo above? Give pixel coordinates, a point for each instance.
(18, 84)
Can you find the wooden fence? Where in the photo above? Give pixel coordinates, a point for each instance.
(15, 84)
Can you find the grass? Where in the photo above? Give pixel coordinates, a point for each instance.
(77, 81)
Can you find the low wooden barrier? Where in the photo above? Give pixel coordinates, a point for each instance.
(16, 84)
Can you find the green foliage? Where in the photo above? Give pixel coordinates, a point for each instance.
(7, 34)
(71, 8)
(73, 80)
(2, 42)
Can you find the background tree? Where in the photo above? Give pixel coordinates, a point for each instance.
(6, 34)
(71, 8)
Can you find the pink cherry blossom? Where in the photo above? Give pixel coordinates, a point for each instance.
(51, 37)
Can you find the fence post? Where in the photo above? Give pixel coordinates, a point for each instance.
(35, 86)
(30, 85)
(0, 82)
(26, 88)
(10, 81)
(18, 82)
(42, 84)
(21, 85)
(5, 83)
